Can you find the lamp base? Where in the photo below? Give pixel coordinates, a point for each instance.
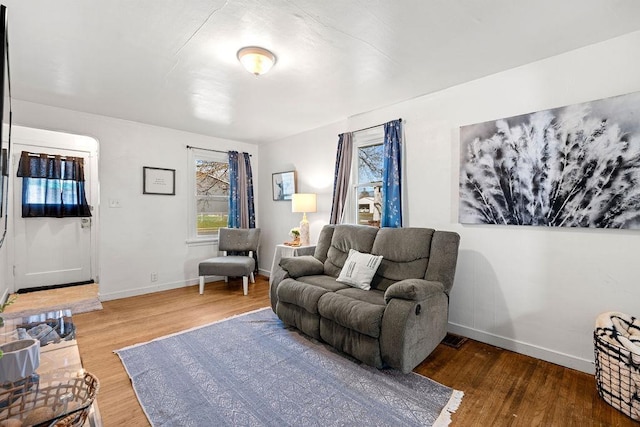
(304, 232)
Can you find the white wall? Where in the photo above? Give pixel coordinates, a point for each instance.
(312, 155)
(148, 233)
(530, 289)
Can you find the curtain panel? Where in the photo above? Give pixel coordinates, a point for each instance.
(52, 186)
(241, 200)
(392, 175)
(241, 203)
(341, 176)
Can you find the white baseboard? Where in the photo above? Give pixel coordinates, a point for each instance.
(142, 290)
(527, 349)
(156, 287)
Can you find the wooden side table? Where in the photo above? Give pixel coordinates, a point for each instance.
(284, 251)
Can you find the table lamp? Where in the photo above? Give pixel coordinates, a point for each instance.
(303, 202)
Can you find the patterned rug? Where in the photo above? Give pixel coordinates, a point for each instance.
(251, 370)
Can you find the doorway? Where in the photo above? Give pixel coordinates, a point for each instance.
(50, 252)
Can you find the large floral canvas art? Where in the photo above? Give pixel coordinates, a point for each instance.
(574, 166)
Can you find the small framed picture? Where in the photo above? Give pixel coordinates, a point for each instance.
(158, 181)
(283, 185)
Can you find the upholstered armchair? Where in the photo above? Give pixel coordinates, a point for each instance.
(233, 240)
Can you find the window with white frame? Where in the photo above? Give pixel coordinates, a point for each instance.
(366, 177)
(209, 185)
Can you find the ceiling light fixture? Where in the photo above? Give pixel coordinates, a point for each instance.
(257, 60)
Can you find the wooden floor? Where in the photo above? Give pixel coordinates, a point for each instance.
(52, 297)
(500, 388)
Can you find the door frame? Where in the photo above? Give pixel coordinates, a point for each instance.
(41, 139)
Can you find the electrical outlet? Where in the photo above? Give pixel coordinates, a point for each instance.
(154, 277)
(114, 203)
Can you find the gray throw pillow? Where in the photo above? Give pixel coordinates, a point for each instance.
(305, 265)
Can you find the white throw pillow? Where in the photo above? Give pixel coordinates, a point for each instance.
(359, 269)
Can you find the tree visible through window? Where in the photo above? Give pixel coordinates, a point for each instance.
(212, 196)
(368, 194)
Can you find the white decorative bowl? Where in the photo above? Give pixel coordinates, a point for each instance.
(20, 359)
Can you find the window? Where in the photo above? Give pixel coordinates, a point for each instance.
(372, 192)
(210, 187)
(367, 178)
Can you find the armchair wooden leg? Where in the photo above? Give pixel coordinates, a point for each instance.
(252, 277)
(201, 285)
(245, 284)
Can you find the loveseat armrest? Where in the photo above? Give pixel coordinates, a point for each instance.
(413, 290)
(299, 266)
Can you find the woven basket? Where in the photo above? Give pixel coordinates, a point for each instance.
(618, 376)
(69, 401)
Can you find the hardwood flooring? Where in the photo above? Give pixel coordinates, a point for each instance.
(52, 297)
(501, 388)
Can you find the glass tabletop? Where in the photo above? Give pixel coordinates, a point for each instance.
(48, 327)
(59, 386)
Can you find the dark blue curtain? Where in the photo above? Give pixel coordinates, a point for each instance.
(52, 186)
(251, 212)
(241, 206)
(392, 176)
(241, 201)
(234, 211)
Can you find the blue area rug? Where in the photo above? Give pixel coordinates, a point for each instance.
(251, 370)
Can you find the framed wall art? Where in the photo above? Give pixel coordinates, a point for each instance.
(283, 185)
(158, 181)
(573, 166)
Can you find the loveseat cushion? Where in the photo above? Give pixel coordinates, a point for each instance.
(345, 237)
(405, 253)
(305, 291)
(305, 265)
(326, 282)
(300, 294)
(347, 309)
(360, 346)
(371, 297)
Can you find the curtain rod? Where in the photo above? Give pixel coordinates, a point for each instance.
(371, 127)
(211, 149)
(50, 156)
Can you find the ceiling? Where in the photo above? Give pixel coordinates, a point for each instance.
(173, 63)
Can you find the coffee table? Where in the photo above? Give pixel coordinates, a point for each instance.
(60, 368)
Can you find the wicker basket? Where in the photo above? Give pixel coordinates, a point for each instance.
(69, 401)
(618, 376)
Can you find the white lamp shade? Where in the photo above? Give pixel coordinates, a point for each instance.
(303, 202)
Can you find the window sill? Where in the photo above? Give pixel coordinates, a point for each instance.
(202, 241)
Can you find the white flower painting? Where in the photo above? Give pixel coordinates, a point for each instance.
(574, 166)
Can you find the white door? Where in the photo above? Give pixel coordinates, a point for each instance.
(50, 251)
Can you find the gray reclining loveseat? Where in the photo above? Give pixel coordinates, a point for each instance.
(396, 323)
